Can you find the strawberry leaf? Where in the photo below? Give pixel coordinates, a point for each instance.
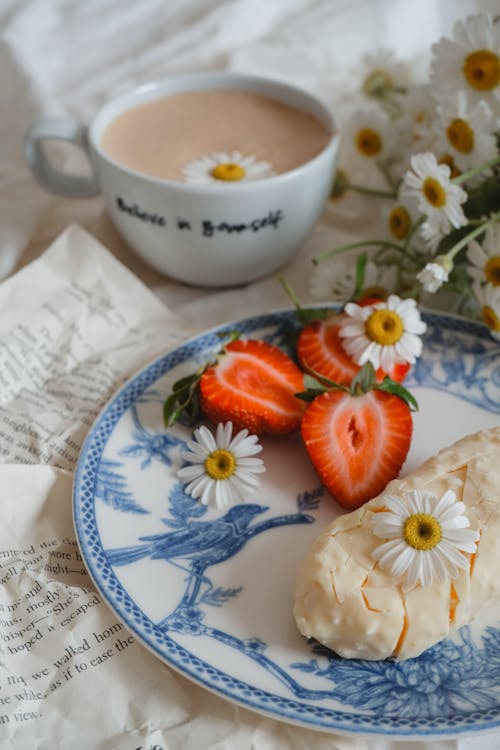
(318, 385)
(390, 386)
(229, 335)
(364, 380)
(184, 399)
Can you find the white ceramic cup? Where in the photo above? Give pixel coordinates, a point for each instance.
(206, 235)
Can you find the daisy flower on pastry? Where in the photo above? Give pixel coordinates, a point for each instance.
(488, 297)
(470, 60)
(467, 130)
(221, 469)
(226, 167)
(485, 259)
(438, 198)
(384, 333)
(426, 537)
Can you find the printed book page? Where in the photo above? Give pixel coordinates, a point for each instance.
(74, 325)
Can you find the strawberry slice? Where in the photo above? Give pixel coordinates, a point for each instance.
(358, 439)
(253, 384)
(320, 350)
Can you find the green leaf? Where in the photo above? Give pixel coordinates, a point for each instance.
(317, 385)
(310, 394)
(390, 386)
(364, 380)
(184, 399)
(312, 383)
(229, 335)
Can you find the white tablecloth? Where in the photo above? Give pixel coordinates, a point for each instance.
(65, 57)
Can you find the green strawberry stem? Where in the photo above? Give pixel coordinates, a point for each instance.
(364, 382)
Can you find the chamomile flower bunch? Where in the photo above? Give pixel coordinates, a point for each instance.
(430, 151)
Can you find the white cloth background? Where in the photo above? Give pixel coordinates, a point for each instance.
(65, 57)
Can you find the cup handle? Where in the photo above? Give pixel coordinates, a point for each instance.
(53, 180)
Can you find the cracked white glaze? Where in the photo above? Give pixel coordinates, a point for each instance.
(345, 601)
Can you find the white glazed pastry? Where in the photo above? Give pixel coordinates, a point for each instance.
(363, 604)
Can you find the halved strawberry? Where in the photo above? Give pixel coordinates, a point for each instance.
(358, 438)
(320, 350)
(252, 383)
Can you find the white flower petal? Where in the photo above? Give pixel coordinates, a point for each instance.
(446, 558)
(200, 171)
(223, 490)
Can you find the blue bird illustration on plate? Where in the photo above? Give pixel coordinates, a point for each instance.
(199, 545)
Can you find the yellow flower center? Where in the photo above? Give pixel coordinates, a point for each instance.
(482, 70)
(228, 171)
(220, 464)
(460, 135)
(434, 192)
(385, 327)
(491, 318)
(368, 142)
(422, 531)
(492, 270)
(399, 222)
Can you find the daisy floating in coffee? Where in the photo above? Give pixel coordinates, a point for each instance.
(222, 468)
(226, 167)
(426, 536)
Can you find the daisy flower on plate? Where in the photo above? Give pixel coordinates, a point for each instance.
(384, 333)
(470, 60)
(426, 537)
(226, 167)
(488, 297)
(438, 198)
(221, 468)
(467, 130)
(334, 281)
(485, 258)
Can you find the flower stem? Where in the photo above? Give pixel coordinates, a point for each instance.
(352, 246)
(475, 233)
(475, 170)
(369, 191)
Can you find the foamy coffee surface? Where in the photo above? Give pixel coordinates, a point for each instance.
(160, 137)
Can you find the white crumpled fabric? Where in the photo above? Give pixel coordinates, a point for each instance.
(65, 57)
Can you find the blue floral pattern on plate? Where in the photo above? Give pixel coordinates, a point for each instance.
(210, 592)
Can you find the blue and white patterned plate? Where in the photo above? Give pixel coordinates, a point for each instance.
(210, 591)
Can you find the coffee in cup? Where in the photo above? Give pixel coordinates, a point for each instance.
(163, 137)
(215, 179)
